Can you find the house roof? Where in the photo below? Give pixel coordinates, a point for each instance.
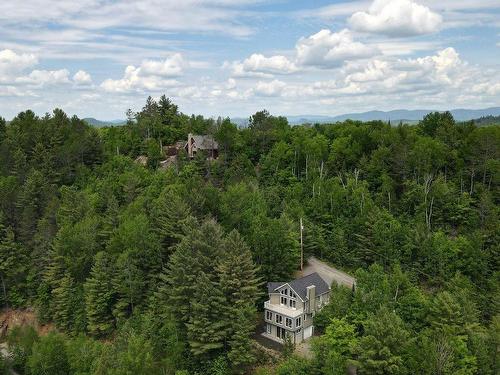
(300, 285)
(205, 142)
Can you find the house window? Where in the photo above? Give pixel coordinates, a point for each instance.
(292, 304)
(279, 319)
(283, 300)
(280, 332)
(268, 329)
(284, 291)
(305, 317)
(288, 322)
(269, 315)
(298, 322)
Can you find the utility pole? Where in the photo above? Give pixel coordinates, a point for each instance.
(301, 246)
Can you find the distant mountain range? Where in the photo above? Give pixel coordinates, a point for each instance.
(98, 123)
(395, 116)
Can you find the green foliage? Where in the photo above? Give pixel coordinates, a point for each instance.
(99, 296)
(382, 347)
(21, 340)
(102, 245)
(336, 348)
(49, 356)
(295, 366)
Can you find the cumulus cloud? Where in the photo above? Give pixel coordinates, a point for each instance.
(258, 63)
(82, 78)
(396, 18)
(170, 67)
(150, 75)
(12, 91)
(12, 63)
(487, 88)
(443, 72)
(272, 88)
(42, 78)
(328, 49)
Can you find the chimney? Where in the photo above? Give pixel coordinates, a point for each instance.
(190, 145)
(311, 298)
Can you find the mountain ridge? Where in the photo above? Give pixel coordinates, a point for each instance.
(395, 116)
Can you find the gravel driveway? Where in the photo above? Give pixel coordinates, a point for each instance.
(329, 274)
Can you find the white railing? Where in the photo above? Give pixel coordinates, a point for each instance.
(283, 310)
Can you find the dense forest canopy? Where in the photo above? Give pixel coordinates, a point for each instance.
(148, 270)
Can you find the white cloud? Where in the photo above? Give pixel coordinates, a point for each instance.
(187, 15)
(42, 78)
(82, 78)
(487, 88)
(442, 72)
(12, 63)
(151, 75)
(328, 49)
(272, 88)
(273, 65)
(397, 18)
(13, 91)
(170, 67)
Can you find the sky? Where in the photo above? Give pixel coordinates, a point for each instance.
(97, 58)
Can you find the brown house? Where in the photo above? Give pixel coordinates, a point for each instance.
(204, 143)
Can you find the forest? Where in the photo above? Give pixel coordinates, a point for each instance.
(141, 269)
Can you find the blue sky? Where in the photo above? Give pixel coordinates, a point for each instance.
(96, 58)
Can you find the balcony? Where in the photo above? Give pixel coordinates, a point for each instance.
(283, 310)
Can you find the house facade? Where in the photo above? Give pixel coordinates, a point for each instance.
(292, 305)
(204, 143)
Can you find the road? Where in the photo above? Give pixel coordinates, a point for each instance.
(329, 274)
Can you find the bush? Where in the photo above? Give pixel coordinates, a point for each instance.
(49, 356)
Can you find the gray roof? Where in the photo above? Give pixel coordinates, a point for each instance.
(300, 285)
(205, 142)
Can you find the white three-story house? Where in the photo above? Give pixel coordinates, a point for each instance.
(291, 307)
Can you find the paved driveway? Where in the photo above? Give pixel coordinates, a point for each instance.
(329, 274)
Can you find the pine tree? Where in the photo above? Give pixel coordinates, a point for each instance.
(99, 296)
(13, 263)
(207, 327)
(240, 340)
(128, 283)
(197, 252)
(169, 215)
(239, 283)
(382, 347)
(63, 302)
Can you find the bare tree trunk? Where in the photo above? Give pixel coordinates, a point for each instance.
(341, 180)
(472, 174)
(306, 165)
(427, 189)
(4, 291)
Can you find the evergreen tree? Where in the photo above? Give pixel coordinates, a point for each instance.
(207, 328)
(239, 283)
(100, 295)
(197, 252)
(381, 350)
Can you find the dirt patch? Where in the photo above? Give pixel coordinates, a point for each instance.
(10, 318)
